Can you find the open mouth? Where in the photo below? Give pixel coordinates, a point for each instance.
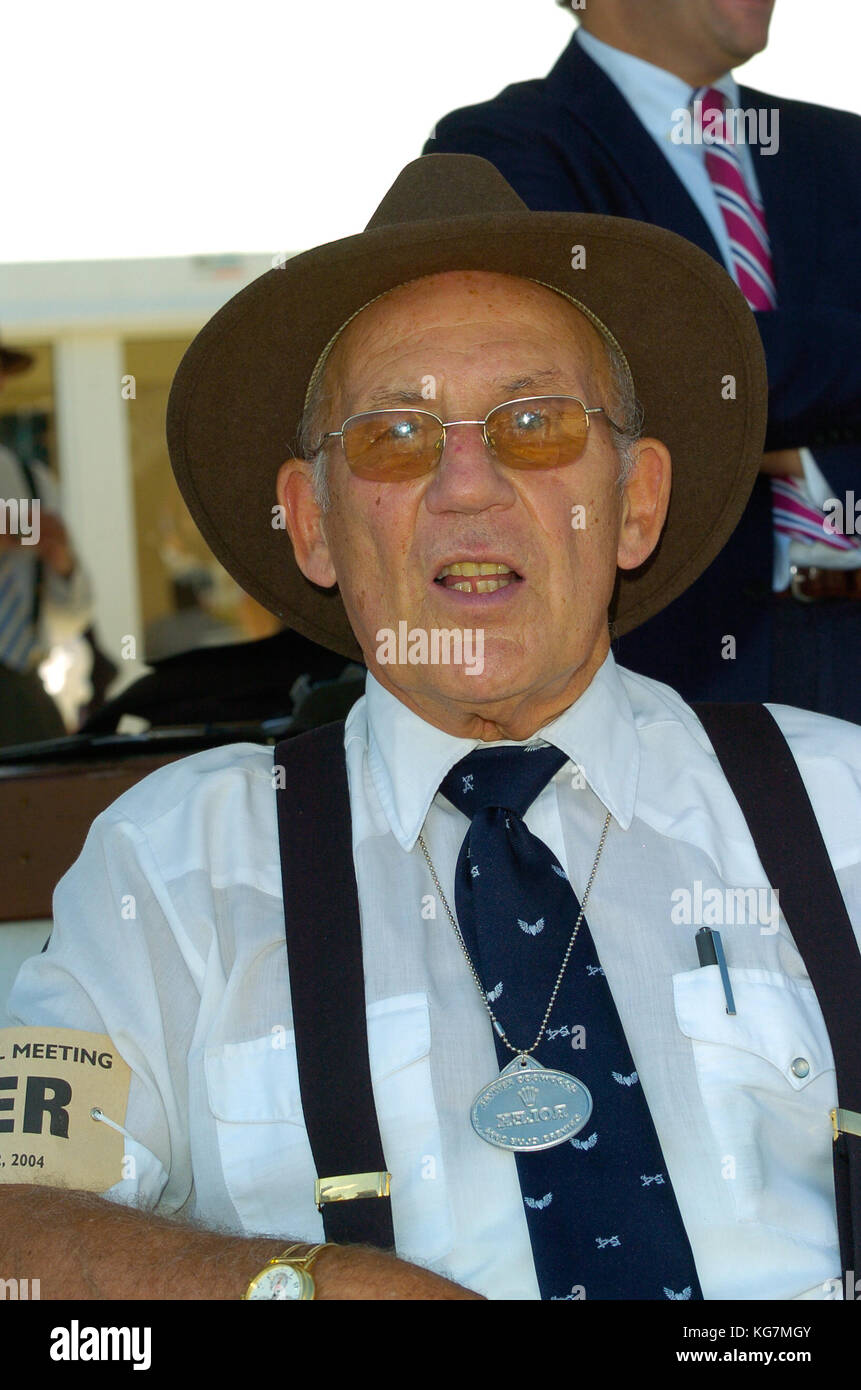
(477, 576)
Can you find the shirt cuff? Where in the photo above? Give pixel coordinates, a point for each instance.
(816, 485)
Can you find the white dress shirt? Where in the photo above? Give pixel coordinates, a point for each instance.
(656, 97)
(194, 989)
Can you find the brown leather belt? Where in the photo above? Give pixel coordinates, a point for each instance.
(812, 584)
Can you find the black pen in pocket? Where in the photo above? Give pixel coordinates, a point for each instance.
(710, 952)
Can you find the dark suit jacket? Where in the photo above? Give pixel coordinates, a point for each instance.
(571, 141)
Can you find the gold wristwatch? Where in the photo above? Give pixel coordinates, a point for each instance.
(286, 1276)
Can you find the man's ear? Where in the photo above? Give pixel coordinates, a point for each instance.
(304, 521)
(645, 499)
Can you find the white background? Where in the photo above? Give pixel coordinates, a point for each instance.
(175, 126)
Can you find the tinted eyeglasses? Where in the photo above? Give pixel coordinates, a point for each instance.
(535, 432)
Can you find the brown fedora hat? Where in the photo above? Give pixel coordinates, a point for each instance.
(686, 330)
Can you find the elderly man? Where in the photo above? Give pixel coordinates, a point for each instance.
(450, 1057)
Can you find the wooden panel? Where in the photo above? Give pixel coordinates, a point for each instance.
(45, 813)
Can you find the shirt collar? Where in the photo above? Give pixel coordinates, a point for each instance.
(408, 758)
(652, 92)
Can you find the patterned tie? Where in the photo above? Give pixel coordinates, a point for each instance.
(602, 1215)
(17, 633)
(793, 513)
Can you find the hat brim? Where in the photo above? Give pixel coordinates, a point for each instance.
(689, 336)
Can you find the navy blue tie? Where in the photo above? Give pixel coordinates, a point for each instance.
(602, 1215)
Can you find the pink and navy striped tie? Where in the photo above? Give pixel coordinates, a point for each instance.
(742, 213)
(793, 513)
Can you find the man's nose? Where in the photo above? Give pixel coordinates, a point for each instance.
(468, 476)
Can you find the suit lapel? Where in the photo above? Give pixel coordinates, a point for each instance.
(789, 201)
(653, 191)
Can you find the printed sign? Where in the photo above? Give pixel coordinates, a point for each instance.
(51, 1079)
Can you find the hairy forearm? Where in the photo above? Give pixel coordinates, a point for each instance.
(82, 1247)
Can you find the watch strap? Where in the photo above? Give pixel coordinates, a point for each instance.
(287, 1257)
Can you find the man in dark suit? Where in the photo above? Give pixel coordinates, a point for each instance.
(605, 132)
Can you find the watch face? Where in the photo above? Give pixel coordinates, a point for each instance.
(281, 1281)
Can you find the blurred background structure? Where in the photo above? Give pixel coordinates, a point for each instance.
(108, 337)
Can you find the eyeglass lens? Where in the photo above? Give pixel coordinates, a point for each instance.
(540, 432)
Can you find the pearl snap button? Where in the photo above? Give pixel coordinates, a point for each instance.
(800, 1067)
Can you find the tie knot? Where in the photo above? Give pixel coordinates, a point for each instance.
(710, 117)
(711, 98)
(509, 777)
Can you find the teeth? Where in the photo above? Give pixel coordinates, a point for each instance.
(482, 586)
(469, 569)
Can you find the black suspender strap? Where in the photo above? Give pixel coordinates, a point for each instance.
(763, 774)
(327, 987)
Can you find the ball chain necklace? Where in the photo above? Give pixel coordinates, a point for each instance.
(555, 1105)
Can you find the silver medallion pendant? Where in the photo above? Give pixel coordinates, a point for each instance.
(530, 1107)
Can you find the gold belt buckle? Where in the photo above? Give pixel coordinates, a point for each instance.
(845, 1121)
(351, 1185)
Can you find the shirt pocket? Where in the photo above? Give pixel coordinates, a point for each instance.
(767, 1082)
(253, 1092)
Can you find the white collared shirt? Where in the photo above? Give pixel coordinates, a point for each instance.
(194, 989)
